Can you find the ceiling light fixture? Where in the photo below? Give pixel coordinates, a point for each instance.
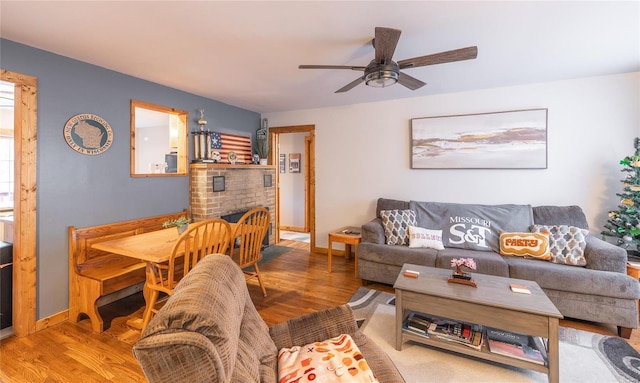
(382, 78)
(381, 75)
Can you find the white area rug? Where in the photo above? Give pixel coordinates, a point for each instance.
(579, 362)
(295, 236)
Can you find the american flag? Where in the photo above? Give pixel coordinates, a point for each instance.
(225, 143)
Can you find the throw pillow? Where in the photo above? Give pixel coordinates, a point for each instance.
(396, 225)
(420, 237)
(337, 360)
(526, 245)
(566, 243)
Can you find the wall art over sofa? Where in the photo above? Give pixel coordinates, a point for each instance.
(501, 140)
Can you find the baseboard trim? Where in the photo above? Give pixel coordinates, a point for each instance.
(296, 229)
(52, 320)
(6, 332)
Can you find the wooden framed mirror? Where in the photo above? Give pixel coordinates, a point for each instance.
(159, 138)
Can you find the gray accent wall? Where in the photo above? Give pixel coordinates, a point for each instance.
(82, 190)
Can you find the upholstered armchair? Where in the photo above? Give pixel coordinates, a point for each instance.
(210, 331)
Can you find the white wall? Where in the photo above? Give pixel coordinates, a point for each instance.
(292, 184)
(363, 151)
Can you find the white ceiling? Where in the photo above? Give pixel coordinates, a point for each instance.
(247, 53)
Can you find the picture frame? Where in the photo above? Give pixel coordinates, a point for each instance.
(218, 183)
(294, 163)
(283, 161)
(268, 181)
(498, 140)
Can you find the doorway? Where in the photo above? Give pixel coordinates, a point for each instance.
(25, 189)
(297, 171)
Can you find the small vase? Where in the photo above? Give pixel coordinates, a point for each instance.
(182, 229)
(264, 161)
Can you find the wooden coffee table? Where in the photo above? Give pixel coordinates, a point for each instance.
(491, 304)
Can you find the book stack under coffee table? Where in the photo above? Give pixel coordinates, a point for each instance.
(492, 304)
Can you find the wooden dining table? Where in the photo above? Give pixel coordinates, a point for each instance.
(150, 247)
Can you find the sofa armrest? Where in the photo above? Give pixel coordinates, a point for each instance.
(180, 356)
(373, 232)
(601, 255)
(314, 327)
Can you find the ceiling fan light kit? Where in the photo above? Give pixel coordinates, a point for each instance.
(382, 71)
(381, 78)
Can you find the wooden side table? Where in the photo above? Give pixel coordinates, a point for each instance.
(633, 269)
(349, 235)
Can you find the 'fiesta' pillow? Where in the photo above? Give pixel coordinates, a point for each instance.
(396, 225)
(526, 245)
(337, 360)
(566, 243)
(420, 237)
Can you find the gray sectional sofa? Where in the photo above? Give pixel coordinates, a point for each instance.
(600, 291)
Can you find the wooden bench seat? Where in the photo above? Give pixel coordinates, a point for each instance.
(95, 273)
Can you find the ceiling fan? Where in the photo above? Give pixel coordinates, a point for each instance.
(382, 71)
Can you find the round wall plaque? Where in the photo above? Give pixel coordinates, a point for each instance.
(88, 134)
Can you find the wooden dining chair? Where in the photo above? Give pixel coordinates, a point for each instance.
(199, 240)
(248, 235)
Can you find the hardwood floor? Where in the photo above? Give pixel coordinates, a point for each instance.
(297, 283)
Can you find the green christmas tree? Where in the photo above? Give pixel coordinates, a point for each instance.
(624, 223)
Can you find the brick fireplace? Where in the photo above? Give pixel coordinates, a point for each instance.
(244, 189)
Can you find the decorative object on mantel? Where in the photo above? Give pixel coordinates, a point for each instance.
(624, 224)
(501, 140)
(225, 143)
(202, 141)
(261, 146)
(459, 275)
(179, 223)
(232, 157)
(88, 134)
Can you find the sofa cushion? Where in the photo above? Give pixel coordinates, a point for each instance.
(475, 227)
(335, 359)
(560, 215)
(579, 280)
(566, 243)
(396, 225)
(527, 245)
(390, 204)
(396, 255)
(421, 237)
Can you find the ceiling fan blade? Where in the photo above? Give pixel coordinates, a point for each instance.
(331, 67)
(467, 53)
(385, 44)
(410, 82)
(350, 85)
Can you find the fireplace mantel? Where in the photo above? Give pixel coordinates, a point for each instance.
(229, 166)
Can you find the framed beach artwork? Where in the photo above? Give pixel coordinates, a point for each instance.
(502, 140)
